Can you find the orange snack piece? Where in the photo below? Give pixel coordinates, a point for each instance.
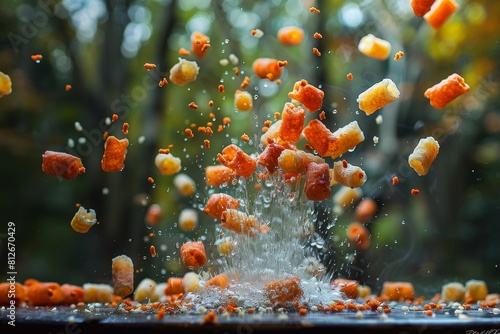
(241, 163)
(216, 176)
(314, 10)
(83, 220)
(37, 57)
(269, 157)
(221, 280)
(440, 12)
(72, 294)
(349, 136)
(153, 215)
(284, 291)
(424, 155)
(290, 35)
(43, 293)
(5, 84)
(296, 161)
(366, 209)
(149, 66)
(243, 100)
(122, 270)
(199, 44)
(174, 286)
(446, 91)
(68, 88)
(218, 203)
(310, 96)
(421, 7)
(115, 151)
(184, 52)
(241, 223)
(267, 68)
(317, 187)
(293, 118)
(184, 72)
(398, 55)
(348, 175)
(193, 254)
(359, 235)
(347, 286)
(316, 52)
(374, 47)
(12, 292)
(349, 76)
(62, 165)
(377, 96)
(320, 137)
(398, 291)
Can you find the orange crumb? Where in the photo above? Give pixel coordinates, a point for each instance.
(264, 129)
(316, 52)
(308, 147)
(282, 63)
(210, 124)
(164, 150)
(220, 128)
(253, 32)
(152, 249)
(245, 83)
(202, 129)
(359, 235)
(36, 57)
(314, 10)
(192, 125)
(290, 35)
(149, 66)
(395, 180)
(189, 133)
(349, 76)
(220, 88)
(302, 311)
(163, 82)
(209, 131)
(211, 115)
(68, 88)
(184, 52)
(161, 313)
(192, 105)
(251, 310)
(105, 135)
(268, 123)
(398, 55)
(199, 44)
(205, 47)
(78, 205)
(114, 118)
(415, 192)
(236, 71)
(278, 82)
(245, 138)
(125, 128)
(151, 180)
(276, 115)
(267, 68)
(206, 142)
(322, 115)
(317, 35)
(210, 317)
(210, 103)
(428, 313)
(226, 120)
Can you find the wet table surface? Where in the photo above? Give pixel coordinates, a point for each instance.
(101, 319)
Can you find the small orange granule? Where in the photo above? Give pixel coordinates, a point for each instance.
(265, 129)
(395, 180)
(446, 91)
(37, 57)
(151, 180)
(209, 131)
(236, 71)
(268, 123)
(267, 68)
(428, 313)
(316, 52)
(149, 66)
(209, 124)
(114, 118)
(415, 192)
(278, 82)
(290, 35)
(161, 313)
(189, 133)
(163, 82)
(193, 105)
(220, 88)
(206, 142)
(310, 96)
(199, 44)
(184, 52)
(152, 250)
(398, 55)
(322, 115)
(277, 115)
(202, 129)
(245, 83)
(125, 127)
(220, 128)
(105, 135)
(226, 120)
(164, 150)
(68, 88)
(245, 138)
(314, 10)
(251, 310)
(210, 103)
(210, 317)
(308, 147)
(317, 35)
(359, 235)
(253, 32)
(282, 63)
(302, 311)
(349, 76)
(421, 7)
(440, 12)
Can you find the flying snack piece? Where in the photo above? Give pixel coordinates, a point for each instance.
(320, 137)
(153, 215)
(310, 96)
(296, 161)
(243, 100)
(222, 281)
(359, 235)
(115, 151)
(317, 187)
(219, 175)
(293, 118)
(348, 175)
(398, 291)
(241, 223)
(423, 155)
(421, 7)
(83, 220)
(218, 203)
(188, 219)
(290, 35)
(193, 254)
(97, 293)
(167, 164)
(145, 290)
(349, 136)
(446, 91)
(272, 134)
(184, 72)
(123, 275)
(377, 96)
(374, 47)
(440, 12)
(185, 184)
(267, 68)
(347, 196)
(200, 43)
(269, 157)
(5, 85)
(241, 163)
(350, 288)
(62, 165)
(284, 291)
